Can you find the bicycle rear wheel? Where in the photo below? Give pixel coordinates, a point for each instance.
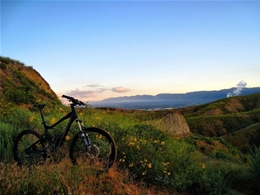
(100, 154)
(28, 148)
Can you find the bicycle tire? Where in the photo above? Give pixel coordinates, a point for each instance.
(28, 148)
(101, 153)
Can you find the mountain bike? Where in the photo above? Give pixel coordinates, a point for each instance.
(90, 145)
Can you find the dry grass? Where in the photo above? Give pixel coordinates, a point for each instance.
(64, 178)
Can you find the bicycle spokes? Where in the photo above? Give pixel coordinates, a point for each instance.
(28, 149)
(100, 154)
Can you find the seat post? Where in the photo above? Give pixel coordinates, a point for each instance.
(42, 116)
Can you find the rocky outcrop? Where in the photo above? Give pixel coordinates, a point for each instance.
(173, 124)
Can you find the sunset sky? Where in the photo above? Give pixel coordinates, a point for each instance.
(98, 49)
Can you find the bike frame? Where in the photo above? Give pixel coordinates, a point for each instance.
(72, 115)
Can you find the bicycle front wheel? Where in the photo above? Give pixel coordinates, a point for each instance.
(100, 153)
(28, 148)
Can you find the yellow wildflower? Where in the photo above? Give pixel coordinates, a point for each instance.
(67, 138)
(52, 121)
(31, 119)
(131, 143)
(99, 136)
(131, 164)
(166, 164)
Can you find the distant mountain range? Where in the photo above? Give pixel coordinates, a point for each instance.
(168, 100)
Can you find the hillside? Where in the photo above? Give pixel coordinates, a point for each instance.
(171, 151)
(245, 138)
(23, 85)
(236, 119)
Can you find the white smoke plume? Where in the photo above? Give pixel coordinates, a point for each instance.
(242, 84)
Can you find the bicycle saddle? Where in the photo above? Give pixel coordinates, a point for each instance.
(40, 106)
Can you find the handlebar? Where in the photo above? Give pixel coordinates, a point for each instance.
(74, 101)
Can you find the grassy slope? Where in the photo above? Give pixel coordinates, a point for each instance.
(235, 119)
(245, 138)
(149, 161)
(224, 116)
(146, 156)
(22, 85)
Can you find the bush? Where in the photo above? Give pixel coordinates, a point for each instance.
(17, 96)
(254, 171)
(5, 109)
(7, 135)
(5, 60)
(3, 65)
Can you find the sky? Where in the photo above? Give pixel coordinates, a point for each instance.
(94, 50)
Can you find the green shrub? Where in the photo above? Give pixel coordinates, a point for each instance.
(5, 60)
(18, 96)
(254, 171)
(3, 65)
(8, 60)
(7, 135)
(5, 109)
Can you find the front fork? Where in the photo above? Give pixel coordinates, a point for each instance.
(84, 136)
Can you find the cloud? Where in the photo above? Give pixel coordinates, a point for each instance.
(87, 92)
(82, 94)
(120, 89)
(242, 84)
(95, 85)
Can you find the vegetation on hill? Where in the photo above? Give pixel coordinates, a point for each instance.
(246, 138)
(227, 117)
(150, 161)
(22, 85)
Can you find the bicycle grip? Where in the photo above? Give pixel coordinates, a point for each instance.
(68, 97)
